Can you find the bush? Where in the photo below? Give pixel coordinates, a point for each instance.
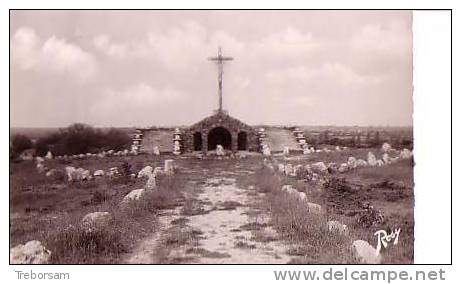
(80, 139)
(20, 143)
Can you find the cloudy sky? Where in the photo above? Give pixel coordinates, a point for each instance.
(143, 68)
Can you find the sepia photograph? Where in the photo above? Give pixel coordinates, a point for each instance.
(211, 137)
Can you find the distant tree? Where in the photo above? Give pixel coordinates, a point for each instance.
(368, 138)
(20, 143)
(377, 140)
(358, 141)
(82, 138)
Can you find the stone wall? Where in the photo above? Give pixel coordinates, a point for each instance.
(234, 126)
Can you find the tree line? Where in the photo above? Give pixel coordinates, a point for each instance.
(75, 139)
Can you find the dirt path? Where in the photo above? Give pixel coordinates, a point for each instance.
(218, 224)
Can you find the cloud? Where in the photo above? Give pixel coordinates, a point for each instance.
(393, 38)
(25, 48)
(131, 105)
(103, 43)
(151, 68)
(30, 52)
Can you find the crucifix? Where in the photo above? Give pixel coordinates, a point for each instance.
(220, 61)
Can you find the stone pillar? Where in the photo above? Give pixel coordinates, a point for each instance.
(234, 141)
(204, 141)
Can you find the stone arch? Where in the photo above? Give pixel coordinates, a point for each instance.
(242, 141)
(197, 138)
(219, 136)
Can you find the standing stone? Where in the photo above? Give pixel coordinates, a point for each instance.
(49, 155)
(96, 219)
(319, 167)
(158, 171)
(41, 168)
(33, 252)
(286, 187)
(86, 175)
(286, 150)
(405, 154)
(266, 150)
(365, 252)
(352, 162)
(69, 172)
(134, 195)
(361, 163)
(113, 172)
(302, 196)
(314, 208)
(281, 168)
(98, 173)
(386, 147)
(156, 151)
(151, 182)
(220, 150)
(39, 160)
(371, 159)
(145, 172)
(386, 158)
(169, 167)
(337, 227)
(379, 163)
(344, 167)
(306, 150)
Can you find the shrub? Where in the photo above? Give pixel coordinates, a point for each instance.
(20, 143)
(80, 139)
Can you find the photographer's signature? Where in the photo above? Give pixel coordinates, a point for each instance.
(384, 239)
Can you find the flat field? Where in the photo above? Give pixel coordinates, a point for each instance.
(228, 210)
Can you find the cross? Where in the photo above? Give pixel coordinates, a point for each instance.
(220, 60)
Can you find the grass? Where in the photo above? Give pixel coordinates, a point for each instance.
(389, 189)
(51, 210)
(295, 224)
(206, 253)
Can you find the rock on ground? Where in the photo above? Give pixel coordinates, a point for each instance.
(343, 168)
(371, 159)
(302, 196)
(314, 208)
(33, 252)
(169, 166)
(386, 158)
(405, 154)
(96, 219)
(49, 155)
(286, 150)
(151, 182)
(352, 162)
(145, 172)
(361, 163)
(134, 195)
(365, 252)
(337, 227)
(319, 167)
(386, 147)
(281, 168)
